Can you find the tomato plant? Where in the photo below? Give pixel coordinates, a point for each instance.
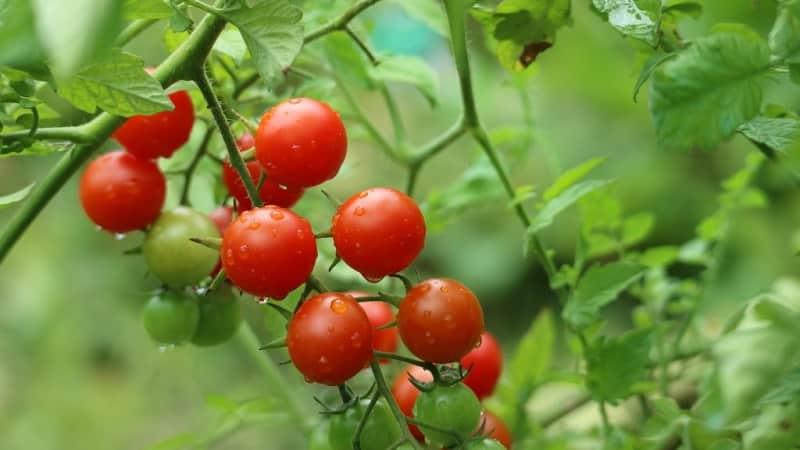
(380, 314)
(171, 317)
(219, 319)
(380, 429)
(160, 134)
(405, 393)
(484, 363)
(454, 408)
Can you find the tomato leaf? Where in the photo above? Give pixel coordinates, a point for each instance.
(777, 134)
(14, 197)
(649, 67)
(272, 31)
(570, 177)
(428, 12)
(598, 287)
(558, 204)
(616, 364)
(411, 70)
(32, 147)
(230, 43)
(786, 389)
(637, 19)
(784, 38)
(146, 9)
(700, 97)
(118, 84)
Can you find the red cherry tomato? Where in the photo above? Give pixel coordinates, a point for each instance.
(271, 193)
(495, 428)
(379, 314)
(486, 362)
(269, 251)
(301, 143)
(328, 338)
(221, 217)
(405, 393)
(159, 134)
(440, 320)
(120, 192)
(378, 232)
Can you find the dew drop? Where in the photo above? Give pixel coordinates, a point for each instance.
(358, 244)
(339, 306)
(323, 360)
(449, 322)
(166, 348)
(443, 289)
(478, 342)
(363, 194)
(119, 236)
(425, 288)
(261, 300)
(276, 215)
(356, 340)
(429, 338)
(201, 291)
(301, 234)
(254, 225)
(295, 147)
(360, 211)
(372, 279)
(294, 101)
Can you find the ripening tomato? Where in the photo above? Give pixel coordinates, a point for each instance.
(495, 428)
(170, 254)
(378, 232)
(268, 251)
(329, 338)
(380, 314)
(159, 134)
(221, 217)
(447, 407)
(405, 393)
(485, 363)
(440, 320)
(171, 317)
(120, 192)
(271, 193)
(301, 143)
(219, 318)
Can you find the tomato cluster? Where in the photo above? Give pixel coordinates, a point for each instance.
(270, 251)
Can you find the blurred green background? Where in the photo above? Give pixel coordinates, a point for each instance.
(77, 370)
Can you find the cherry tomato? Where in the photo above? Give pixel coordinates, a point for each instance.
(301, 143)
(329, 338)
(319, 437)
(120, 192)
(495, 428)
(269, 251)
(379, 433)
(221, 217)
(169, 253)
(440, 320)
(405, 393)
(380, 314)
(378, 232)
(485, 444)
(171, 317)
(220, 317)
(454, 408)
(271, 193)
(485, 363)
(159, 134)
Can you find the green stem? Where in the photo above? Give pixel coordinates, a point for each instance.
(341, 22)
(273, 376)
(362, 45)
(364, 119)
(430, 150)
(363, 421)
(455, 18)
(406, 359)
(380, 381)
(132, 30)
(189, 174)
(77, 134)
(218, 111)
(604, 415)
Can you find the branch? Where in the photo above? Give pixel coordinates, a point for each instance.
(189, 174)
(341, 22)
(133, 30)
(396, 412)
(77, 135)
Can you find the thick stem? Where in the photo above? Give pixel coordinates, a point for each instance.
(77, 135)
(455, 18)
(396, 412)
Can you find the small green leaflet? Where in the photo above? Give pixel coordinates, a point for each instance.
(649, 67)
(784, 38)
(409, 69)
(777, 134)
(691, 8)
(598, 287)
(117, 84)
(544, 218)
(146, 9)
(230, 43)
(19, 46)
(428, 12)
(570, 177)
(786, 389)
(73, 31)
(273, 34)
(14, 197)
(637, 19)
(616, 364)
(31, 147)
(699, 98)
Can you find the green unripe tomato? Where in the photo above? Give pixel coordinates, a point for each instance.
(379, 433)
(171, 317)
(454, 408)
(319, 437)
(220, 317)
(485, 444)
(169, 253)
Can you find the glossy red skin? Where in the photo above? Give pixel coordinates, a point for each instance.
(379, 314)
(486, 363)
(269, 251)
(328, 338)
(440, 320)
(495, 428)
(378, 232)
(160, 134)
(405, 393)
(221, 217)
(301, 143)
(121, 193)
(271, 193)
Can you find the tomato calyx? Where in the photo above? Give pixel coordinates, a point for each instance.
(349, 400)
(442, 376)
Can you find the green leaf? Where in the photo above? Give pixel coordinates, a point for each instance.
(702, 96)
(775, 133)
(31, 147)
(637, 19)
(14, 197)
(786, 389)
(273, 34)
(794, 73)
(119, 85)
(691, 8)
(637, 227)
(649, 67)
(662, 256)
(570, 177)
(664, 421)
(597, 288)
(429, 12)
(74, 32)
(19, 46)
(615, 365)
(776, 428)
(230, 42)
(411, 70)
(179, 441)
(552, 208)
(784, 38)
(523, 28)
(146, 9)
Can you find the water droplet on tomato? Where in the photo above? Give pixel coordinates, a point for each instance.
(478, 342)
(323, 360)
(294, 101)
(449, 322)
(276, 215)
(372, 279)
(295, 147)
(254, 225)
(425, 288)
(356, 340)
(363, 194)
(443, 289)
(119, 236)
(429, 338)
(301, 234)
(360, 211)
(261, 300)
(339, 306)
